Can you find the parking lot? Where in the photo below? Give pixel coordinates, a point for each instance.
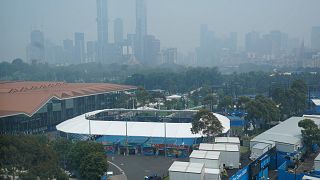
(136, 167)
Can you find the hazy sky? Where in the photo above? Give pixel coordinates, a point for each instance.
(175, 22)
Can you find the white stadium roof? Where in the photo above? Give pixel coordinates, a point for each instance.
(80, 125)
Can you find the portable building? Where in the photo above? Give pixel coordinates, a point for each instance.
(186, 171)
(229, 153)
(259, 149)
(286, 135)
(211, 174)
(211, 159)
(227, 140)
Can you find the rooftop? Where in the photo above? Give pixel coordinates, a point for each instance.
(188, 167)
(287, 131)
(28, 97)
(205, 154)
(316, 102)
(218, 147)
(211, 171)
(234, 140)
(317, 158)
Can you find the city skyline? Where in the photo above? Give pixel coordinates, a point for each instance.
(297, 23)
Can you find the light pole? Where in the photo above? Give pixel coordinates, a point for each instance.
(127, 148)
(165, 138)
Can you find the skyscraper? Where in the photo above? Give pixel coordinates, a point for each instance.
(315, 38)
(91, 51)
(118, 30)
(36, 49)
(79, 51)
(252, 40)
(68, 50)
(170, 56)
(102, 21)
(102, 27)
(152, 50)
(141, 28)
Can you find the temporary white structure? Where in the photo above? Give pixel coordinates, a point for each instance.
(230, 154)
(317, 163)
(259, 149)
(211, 174)
(286, 135)
(211, 159)
(227, 140)
(81, 125)
(186, 171)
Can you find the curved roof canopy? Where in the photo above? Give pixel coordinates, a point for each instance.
(81, 125)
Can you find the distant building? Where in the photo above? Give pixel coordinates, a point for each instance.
(141, 29)
(152, 50)
(91, 51)
(252, 42)
(170, 56)
(54, 53)
(68, 50)
(79, 48)
(102, 28)
(315, 38)
(36, 48)
(118, 30)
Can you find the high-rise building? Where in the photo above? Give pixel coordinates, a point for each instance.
(36, 48)
(79, 48)
(170, 56)
(68, 50)
(118, 30)
(102, 28)
(152, 50)
(141, 29)
(252, 40)
(91, 51)
(102, 21)
(315, 38)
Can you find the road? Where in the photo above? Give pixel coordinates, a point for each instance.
(136, 167)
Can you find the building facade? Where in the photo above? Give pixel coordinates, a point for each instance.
(79, 48)
(36, 48)
(35, 107)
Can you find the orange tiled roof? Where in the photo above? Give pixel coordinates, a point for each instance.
(28, 97)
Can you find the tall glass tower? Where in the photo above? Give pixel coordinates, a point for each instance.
(141, 28)
(102, 28)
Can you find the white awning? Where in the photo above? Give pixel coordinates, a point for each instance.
(80, 125)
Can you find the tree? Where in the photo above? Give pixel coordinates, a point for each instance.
(262, 111)
(79, 150)
(292, 101)
(32, 154)
(310, 132)
(142, 96)
(210, 100)
(225, 103)
(242, 102)
(206, 123)
(93, 165)
(62, 147)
